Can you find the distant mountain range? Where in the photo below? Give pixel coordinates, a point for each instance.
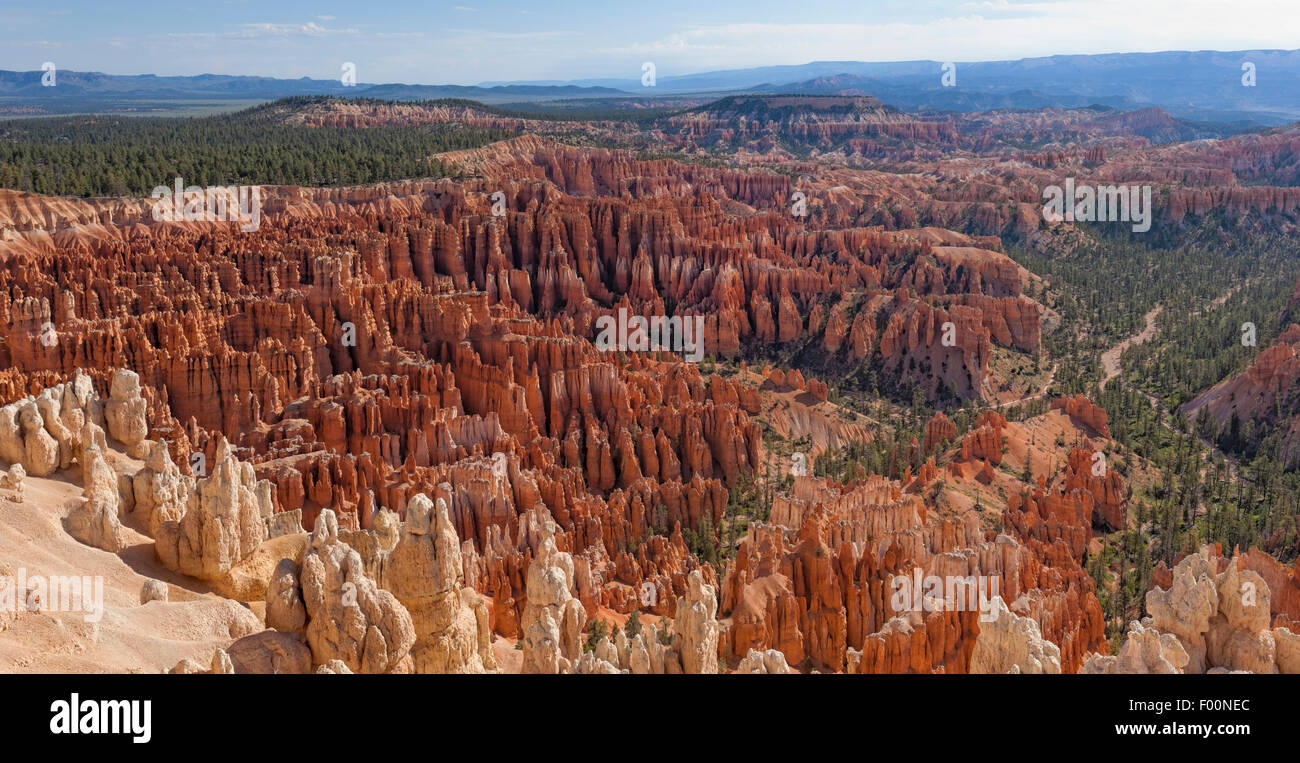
(1200, 85)
(94, 85)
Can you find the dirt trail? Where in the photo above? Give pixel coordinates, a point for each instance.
(1110, 358)
(1110, 364)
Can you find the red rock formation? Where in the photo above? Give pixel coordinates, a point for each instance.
(1080, 408)
(368, 344)
(817, 583)
(984, 441)
(938, 432)
(1085, 471)
(1258, 392)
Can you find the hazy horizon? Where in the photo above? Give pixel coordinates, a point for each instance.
(468, 43)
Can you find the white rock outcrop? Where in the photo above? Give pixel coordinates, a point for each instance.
(125, 411)
(553, 618)
(769, 662)
(697, 626)
(161, 491)
(424, 572)
(153, 590)
(1012, 644)
(224, 520)
(1206, 622)
(13, 480)
(95, 520)
(1145, 650)
(349, 617)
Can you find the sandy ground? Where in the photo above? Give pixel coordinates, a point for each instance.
(128, 637)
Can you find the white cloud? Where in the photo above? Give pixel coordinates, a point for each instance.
(1039, 29)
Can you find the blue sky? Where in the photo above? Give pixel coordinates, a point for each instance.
(470, 41)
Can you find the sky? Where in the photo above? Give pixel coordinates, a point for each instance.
(471, 41)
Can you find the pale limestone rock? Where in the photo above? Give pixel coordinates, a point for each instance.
(622, 649)
(153, 590)
(374, 544)
(40, 451)
(334, 667)
(270, 652)
(1145, 650)
(284, 523)
(1288, 650)
(221, 664)
(223, 524)
(697, 626)
(1240, 650)
(63, 428)
(771, 661)
(285, 610)
(542, 645)
(83, 392)
(125, 411)
(350, 618)
(1244, 599)
(638, 657)
(605, 650)
(13, 480)
(663, 658)
(11, 435)
(1220, 619)
(1012, 644)
(95, 520)
(590, 664)
(187, 667)
(553, 618)
(91, 434)
(387, 528)
(161, 492)
(125, 495)
(1239, 637)
(424, 572)
(1185, 608)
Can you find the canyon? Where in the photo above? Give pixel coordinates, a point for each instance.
(377, 433)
